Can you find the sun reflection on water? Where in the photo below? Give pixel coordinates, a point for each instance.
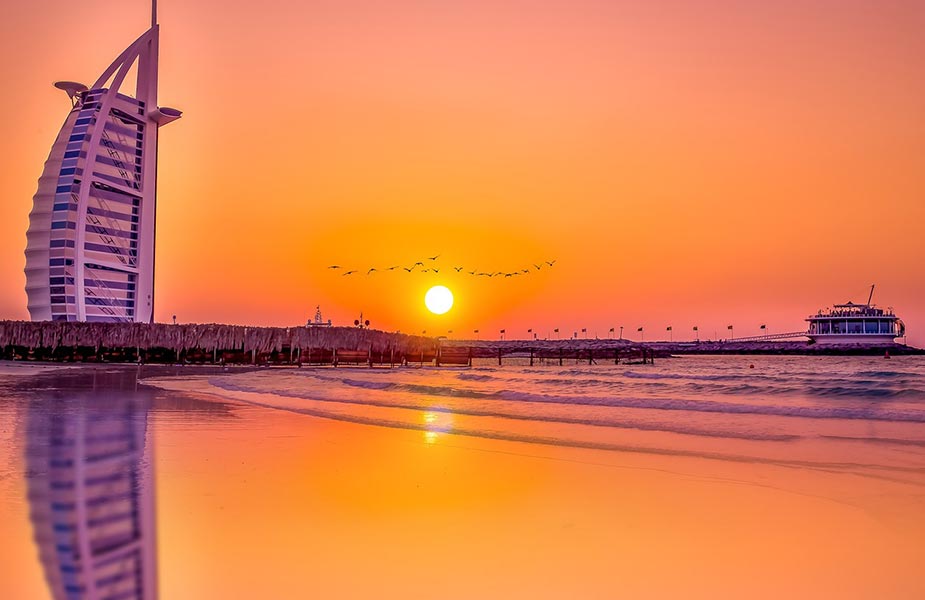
(435, 423)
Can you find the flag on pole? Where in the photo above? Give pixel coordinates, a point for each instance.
(584, 330)
(476, 331)
(502, 331)
(668, 328)
(640, 329)
(529, 331)
(696, 328)
(728, 326)
(556, 330)
(611, 330)
(764, 327)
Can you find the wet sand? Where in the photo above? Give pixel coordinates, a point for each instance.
(261, 503)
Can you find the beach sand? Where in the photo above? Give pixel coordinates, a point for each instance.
(261, 503)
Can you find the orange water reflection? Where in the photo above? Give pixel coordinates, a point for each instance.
(260, 503)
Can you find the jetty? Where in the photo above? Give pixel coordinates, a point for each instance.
(61, 341)
(215, 344)
(632, 350)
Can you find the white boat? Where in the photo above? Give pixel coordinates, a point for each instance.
(852, 323)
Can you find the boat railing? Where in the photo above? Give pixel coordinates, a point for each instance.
(876, 313)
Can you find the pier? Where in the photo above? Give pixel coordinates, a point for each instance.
(57, 341)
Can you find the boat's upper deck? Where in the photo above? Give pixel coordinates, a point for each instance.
(853, 311)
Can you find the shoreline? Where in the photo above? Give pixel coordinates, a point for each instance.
(600, 354)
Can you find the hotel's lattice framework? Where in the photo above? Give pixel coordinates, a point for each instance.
(90, 249)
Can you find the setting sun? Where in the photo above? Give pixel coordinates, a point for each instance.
(438, 299)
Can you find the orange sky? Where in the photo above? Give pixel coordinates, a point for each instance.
(687, 164)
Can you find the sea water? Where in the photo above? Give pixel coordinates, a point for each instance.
(706, 476)
(857, 413)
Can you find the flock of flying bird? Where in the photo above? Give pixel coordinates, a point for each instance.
(546, 264)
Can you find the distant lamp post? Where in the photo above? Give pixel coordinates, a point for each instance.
(621, 332)
(175, 319)
(697, 332)
(670, 334)
(732, 334)
(643, 333)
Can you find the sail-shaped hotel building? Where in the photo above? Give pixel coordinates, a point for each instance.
(90, 248)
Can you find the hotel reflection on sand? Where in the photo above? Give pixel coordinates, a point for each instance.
(91, 496)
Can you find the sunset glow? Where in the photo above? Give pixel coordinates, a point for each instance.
(484, 299)
(686, 163)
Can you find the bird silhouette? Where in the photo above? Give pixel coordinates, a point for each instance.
(370, 271)
(538, 267)
(425, 270)
(334, 267)
(392, 268)
(348, 273)
(508, 274)
(408, 269)
(551, 262)
(458, 269)
(473, 273)
(418, 264)
(433, 257)
(435, 270)
(525, 271)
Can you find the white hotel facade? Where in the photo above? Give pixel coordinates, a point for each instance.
(90, 248)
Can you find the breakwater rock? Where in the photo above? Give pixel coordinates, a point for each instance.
(57, 334)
